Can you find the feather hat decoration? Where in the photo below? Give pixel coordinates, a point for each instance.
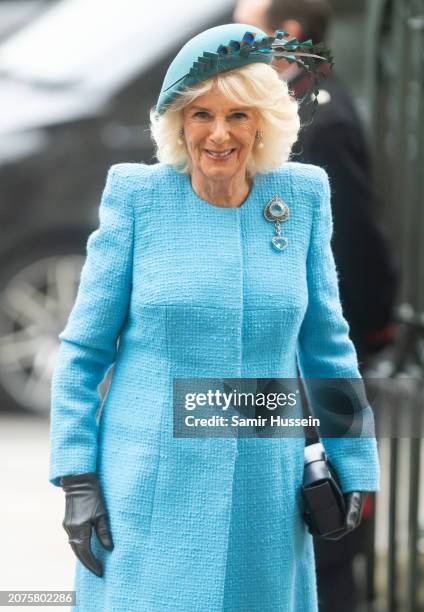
(205, 55)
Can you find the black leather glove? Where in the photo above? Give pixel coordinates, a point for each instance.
(84, 510)
(354, 502)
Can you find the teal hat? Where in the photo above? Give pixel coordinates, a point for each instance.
(200, 59)
(228, 47)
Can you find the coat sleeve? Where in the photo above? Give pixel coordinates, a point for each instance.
(89, 341)
(368, 267)
(325, 349)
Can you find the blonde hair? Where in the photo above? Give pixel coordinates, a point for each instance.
(256, 85)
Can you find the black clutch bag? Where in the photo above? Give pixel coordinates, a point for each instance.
(324, 501)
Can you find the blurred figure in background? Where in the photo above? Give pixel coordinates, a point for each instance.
(367, 272)
(335, 141)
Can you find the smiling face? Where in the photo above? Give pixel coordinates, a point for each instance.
(219, 136)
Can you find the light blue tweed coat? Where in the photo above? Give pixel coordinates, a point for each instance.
(194, 290)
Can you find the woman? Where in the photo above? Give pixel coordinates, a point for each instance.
(183, 271)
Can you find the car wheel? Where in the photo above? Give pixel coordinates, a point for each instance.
(36, 298)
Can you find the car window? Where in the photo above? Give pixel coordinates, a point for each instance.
(99, 44)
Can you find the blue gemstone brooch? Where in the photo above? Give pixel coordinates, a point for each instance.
(277, 211)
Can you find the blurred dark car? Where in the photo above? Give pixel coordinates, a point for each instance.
(76, 87)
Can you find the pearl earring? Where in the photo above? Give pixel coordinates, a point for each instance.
(180, 139)
(259, 139)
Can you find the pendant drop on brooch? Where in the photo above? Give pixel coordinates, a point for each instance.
(277, 211)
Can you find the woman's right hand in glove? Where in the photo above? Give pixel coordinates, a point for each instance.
(84, 510)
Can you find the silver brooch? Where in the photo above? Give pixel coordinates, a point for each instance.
(277, 211)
